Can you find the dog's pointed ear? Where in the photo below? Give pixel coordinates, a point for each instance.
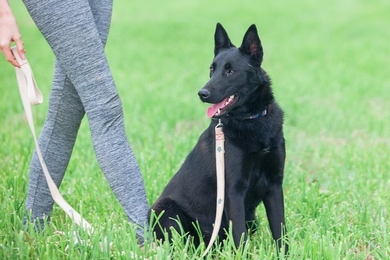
(221, 39)
(251, 45)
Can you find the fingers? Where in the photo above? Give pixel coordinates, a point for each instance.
(20, 48)
(10, 57)
(6, 49)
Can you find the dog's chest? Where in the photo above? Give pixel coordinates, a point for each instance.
(252, 138)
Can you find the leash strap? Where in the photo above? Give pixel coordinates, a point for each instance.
(31, 95)
(220, 168)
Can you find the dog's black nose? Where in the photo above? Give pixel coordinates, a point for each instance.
(204, 94)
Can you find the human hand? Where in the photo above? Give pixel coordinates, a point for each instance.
(9, 33)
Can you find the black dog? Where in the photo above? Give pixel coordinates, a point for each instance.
(242, 99)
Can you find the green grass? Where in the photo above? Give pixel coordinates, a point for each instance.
(329, 62)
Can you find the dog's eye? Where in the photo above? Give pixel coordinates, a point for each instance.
(229, 72)
(211, 70)
(228, 69)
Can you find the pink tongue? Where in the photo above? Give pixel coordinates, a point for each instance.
(213, 109)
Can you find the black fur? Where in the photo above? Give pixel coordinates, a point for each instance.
(254, 150)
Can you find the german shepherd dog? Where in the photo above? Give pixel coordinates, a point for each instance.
(241, 97)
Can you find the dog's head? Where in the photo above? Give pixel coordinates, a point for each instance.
(237, 86)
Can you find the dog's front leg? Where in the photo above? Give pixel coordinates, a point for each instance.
(275, 213)
(236, 214)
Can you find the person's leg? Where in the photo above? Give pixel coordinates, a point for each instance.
(70, 29)
(56, 142)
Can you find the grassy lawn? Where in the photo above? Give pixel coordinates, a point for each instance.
(329, 62)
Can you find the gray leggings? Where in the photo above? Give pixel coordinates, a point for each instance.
(77, 30)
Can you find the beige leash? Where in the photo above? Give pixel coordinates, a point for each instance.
(31, 95)
(220, 167)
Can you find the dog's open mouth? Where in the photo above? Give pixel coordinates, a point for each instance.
(220, 108)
